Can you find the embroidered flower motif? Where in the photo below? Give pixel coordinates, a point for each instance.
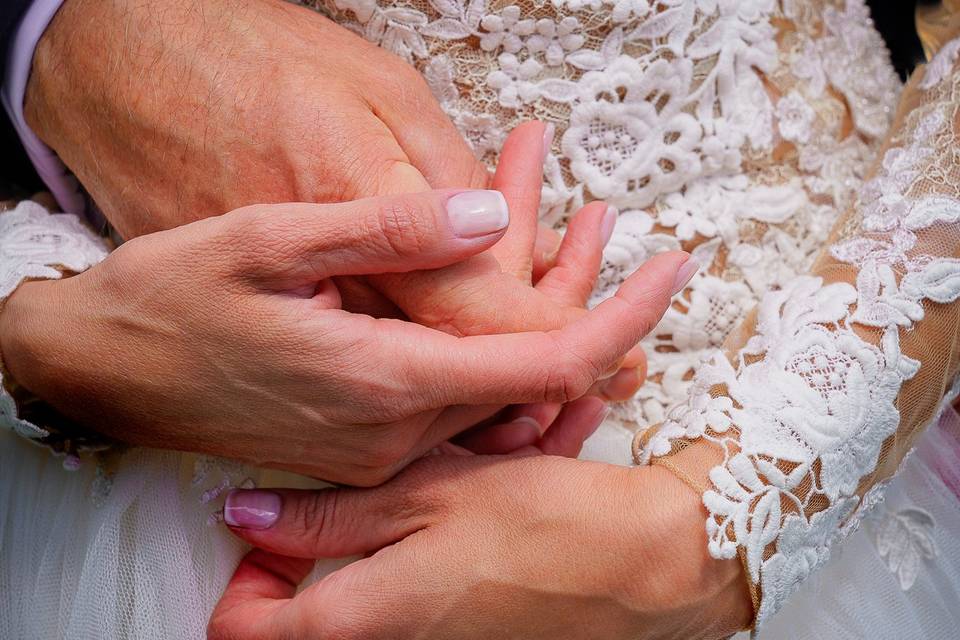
(803, 546)
(624, 10)
(363, 9)
(707, 207)
(905, 540)
(714, 309)
(638, 145)
(514, 80)
(481, 131)
(505, 30)
(794, 117)
(577, 5)
(555, 40)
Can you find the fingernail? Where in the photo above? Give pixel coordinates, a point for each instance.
(622, 385)
(477, 213)
(608, 223)
(685, 274)
(252, 508)
(529, 422)
(548, 132)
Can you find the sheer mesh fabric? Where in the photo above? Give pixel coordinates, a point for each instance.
(898, 246)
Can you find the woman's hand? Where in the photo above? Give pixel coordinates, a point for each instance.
(225, 336)
(483, 547)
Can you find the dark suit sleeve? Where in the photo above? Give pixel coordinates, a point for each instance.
(10, 13)
(16, 171)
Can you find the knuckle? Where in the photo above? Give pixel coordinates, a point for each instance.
(570, 378)
(252, 235)
(402, 223)
(374, 476)
(251, 223)
(458, 308)
(409, 84)
(220, 627)
(315, 515)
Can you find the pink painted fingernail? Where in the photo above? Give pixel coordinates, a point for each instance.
(252, 508)
(607, 224)
(548, 132)
(478, 213)
(685, 274)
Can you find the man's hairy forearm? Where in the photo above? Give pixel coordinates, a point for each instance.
(118, 88)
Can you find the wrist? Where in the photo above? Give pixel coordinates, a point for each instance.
(675, 570)
(33, 347)
(26, 320)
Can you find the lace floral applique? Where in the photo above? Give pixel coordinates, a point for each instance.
(34, 243)
(660, 106)
(904, 539)
(803, 412)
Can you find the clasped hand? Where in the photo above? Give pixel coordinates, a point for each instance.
(226, 336)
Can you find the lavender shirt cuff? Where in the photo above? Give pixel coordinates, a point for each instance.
(62, 184)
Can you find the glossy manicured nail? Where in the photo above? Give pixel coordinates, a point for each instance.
(685, 274)
(548, 132)
(252, 508)
(608, 223)
(477, 213)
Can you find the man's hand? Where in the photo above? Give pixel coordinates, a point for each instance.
(468, 547)
(175, 111)
(226, 336)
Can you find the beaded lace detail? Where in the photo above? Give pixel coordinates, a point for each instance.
(37, 245)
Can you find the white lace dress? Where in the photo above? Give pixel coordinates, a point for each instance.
(762, 136)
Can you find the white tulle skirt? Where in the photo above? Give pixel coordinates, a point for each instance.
(138, 553)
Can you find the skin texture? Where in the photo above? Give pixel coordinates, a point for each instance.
(182, 110)
(197, 335)
(464, 547)
(226, 336)
(160, 345)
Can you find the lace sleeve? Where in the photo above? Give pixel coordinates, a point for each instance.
(825, 387)
(35, 244)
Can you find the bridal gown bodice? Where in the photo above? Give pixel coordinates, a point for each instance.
(738, 129)
(746, 132)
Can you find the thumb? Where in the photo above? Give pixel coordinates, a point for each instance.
(328, 523)
(291, 244)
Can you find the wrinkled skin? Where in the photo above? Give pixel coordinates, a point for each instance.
(182, 110)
